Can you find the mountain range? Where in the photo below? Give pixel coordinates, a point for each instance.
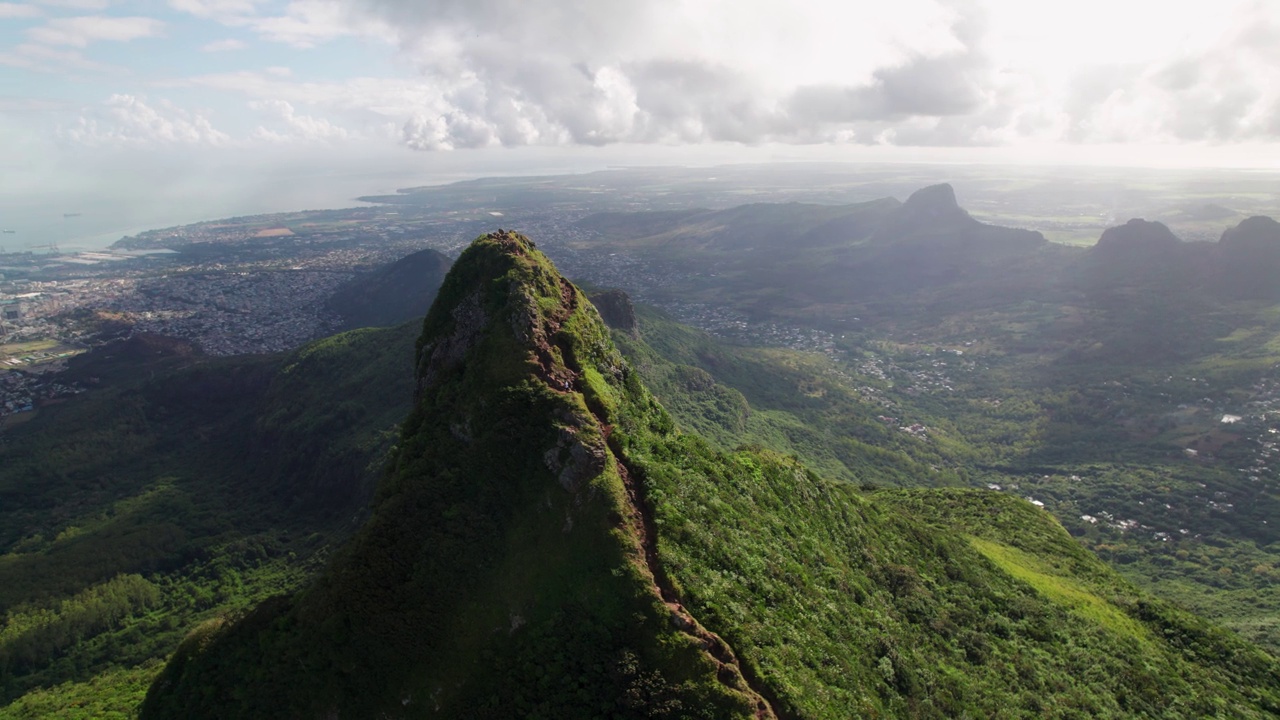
(582, 508)
(545, 543)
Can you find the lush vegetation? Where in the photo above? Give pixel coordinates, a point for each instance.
(574, 524)
(192, 503)
(177, 490)
(1131, 456)
(498, 575)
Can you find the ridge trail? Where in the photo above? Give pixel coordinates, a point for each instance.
(732, 672)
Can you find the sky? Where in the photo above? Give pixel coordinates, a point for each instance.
(171, 98)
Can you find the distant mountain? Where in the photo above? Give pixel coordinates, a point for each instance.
(546, 544)
(392, 294)
(932, 219)
(1147, 257)
(792, 256)
(1250, 256)
(1142, 254)
(928, 211)
(1138, 240)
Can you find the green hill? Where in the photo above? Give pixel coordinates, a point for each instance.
(390, 295)
(545, 543)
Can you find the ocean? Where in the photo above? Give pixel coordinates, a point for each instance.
(78, 221)
(94, 211)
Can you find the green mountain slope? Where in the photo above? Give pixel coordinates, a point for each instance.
(1095, 380)
(178, 488)
(545, 544)
(504, 569)
(1189, 529)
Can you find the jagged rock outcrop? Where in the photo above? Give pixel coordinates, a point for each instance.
(935, 203)
(932, 221)
(616, 310)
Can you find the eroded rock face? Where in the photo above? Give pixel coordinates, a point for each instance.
(445, 354)
(934, 201)
(579, 454)
(575, 458)
(616, 310)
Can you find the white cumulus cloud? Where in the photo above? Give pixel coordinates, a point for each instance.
(912, 72)
(130, 120)
(290, 126)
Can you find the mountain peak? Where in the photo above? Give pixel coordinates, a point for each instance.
(933, 201)
(505, 293)
(1138, 236)
(1250, 256)
(932, 222)
(511, 553)
(1258, 232)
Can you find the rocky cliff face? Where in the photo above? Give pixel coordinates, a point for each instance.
(616, 310)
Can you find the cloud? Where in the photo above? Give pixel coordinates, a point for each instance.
(130, 120)
(303, 128)
(925, 73)
(309, 23)
(41, 58)
(953, 82)
(78, 4)
(1226, 92)
(356, 109)
(380, 98)
(10, 11)
(921, 72)
(592, 73)
(225, 45)
(302, 24)
(81, 31)
(31, 105)
(220, 10)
